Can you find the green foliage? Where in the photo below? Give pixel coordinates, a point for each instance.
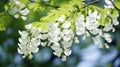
(5, 21)
(117, 3)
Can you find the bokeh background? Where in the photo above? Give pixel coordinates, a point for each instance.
(84, 54)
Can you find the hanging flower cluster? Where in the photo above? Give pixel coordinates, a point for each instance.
(62, 33)
(60, 36)
(90, 26)
(19, 10)
(29, 41)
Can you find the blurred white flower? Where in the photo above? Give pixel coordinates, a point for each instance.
(63, 58)
(97, 39)
(108, 27)
(115, 21)
(61, 18)
(24, 11)
(67, 24)
(28, 26)
(23, 17)
(67, 52)
(107, 37)
(80, 25)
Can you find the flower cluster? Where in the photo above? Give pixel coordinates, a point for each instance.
(60, 35)
(29, 41)
(90, 26)
(62, 39)
(19, 10)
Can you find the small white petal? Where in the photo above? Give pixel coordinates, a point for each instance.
(67, 24)
(58, 52)
(97, 39)
(23, 17)
(28, 26)
(19, 51)
(76, 40)
(67, 52)
(43, 44)
(63, 58)
(23, 33)
(108, 27)
(61, 18)
(30, 56)
(25, 11)
(107, 37)
(44, 36)
(16, 15)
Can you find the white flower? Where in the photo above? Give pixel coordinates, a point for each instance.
(67, 24)
(35, 42)
(108, 27)
(80, 25)
(67, 44)
(23, 17)
(28, 26)
(67, 34)
(115, 21)
(54, 32)
(107, 37)
(16, 15)
(107, 46)
(44, 36)
(23, 33)
(36, 32)
(25, 50)
(91, 20)
(61, 18)
(13, 10)
(63, 58)
(76, 39)
(17, 3)
(95, 31)
(21, 6)
(67, 52)
(58, 52)
(43, 44)
(97, 39)
(92, 16)
(24, 40)
(25, 11)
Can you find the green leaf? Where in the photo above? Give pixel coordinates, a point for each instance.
(117, 3)
(42, 26)
(5, 21)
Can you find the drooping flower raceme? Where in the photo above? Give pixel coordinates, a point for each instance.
(19, 11)
(29, 41)
(60, 34)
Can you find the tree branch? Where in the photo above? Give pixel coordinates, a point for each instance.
(94, 1)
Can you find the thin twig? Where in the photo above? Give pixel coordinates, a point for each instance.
(90, 3)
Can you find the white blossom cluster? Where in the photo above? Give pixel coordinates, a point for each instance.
(19, 11)
(90, 26)
(60, 36)
(29, 41)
